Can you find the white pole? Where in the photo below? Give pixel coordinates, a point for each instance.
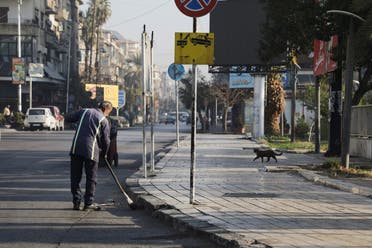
(152, 103)
(259, 106)
(144, 36)
(30, 91)
(177, 115)
(68, 69)
(19, 55)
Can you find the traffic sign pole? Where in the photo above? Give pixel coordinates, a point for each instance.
(194, 8)
(193, 125)
(152, 103)
(176, 72)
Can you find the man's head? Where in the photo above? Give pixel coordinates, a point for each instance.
(106, 107)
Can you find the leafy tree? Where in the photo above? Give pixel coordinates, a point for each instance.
(308, 97)
(229, 97)
(95, 17)
(292, 25)
(204, 94)
(367, 99)
(103, 12)
(275, 104)
(133, 87)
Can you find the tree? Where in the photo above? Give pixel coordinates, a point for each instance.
(275, 104)
(229, 97)
(103, 12)
(294, 24)
(204, 95)
(95, 17)
(133, 87)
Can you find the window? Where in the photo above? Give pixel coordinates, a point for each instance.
(4, 14)
(4, 48)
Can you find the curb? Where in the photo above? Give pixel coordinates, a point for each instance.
(182, 222)
(334, 183)
(323, 180)
(178, 220)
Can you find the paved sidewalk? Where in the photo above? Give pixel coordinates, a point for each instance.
(242, 203)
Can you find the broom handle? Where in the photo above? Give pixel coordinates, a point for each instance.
(129, 201)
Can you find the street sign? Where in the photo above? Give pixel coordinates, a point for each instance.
(194, 48)
(241, 81)
(18, 71)
(176, 71)
(195, 8)
(121, 100)
(36, 70)
(104, 92)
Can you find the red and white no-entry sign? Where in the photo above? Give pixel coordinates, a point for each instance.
(195, 8)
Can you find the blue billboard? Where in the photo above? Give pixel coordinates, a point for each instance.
(241, 81)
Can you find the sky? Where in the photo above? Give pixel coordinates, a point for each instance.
(160, 16)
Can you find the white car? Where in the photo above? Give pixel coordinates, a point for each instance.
(40, 118)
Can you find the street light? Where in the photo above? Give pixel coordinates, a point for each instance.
(68, 66)
(345, 150)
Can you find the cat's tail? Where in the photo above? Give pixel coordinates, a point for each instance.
(278, 152)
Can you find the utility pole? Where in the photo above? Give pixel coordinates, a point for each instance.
(19, 55)
(293, 79)
(68, 67)
(317, 114)
(345, 149)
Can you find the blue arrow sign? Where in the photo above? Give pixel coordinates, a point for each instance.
(176, 71)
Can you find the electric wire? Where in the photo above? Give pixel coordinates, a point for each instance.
(140, 15)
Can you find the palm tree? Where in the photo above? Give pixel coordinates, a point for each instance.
(133, 88)
(275, 104)
(103, 13)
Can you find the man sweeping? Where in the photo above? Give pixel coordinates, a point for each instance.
(92, 135)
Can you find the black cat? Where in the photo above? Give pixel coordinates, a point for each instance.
(266, 153)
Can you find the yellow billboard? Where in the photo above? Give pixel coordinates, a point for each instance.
(110, 92)
(194, 48)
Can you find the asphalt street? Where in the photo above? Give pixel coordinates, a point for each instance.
(35, 200)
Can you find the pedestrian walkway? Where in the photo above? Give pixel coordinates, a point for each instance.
(240, 203)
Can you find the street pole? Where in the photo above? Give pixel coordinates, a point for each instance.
(193, 125)
(317, 114)
(177, 113)
(177, 123)
(144, 102)
(293, 101)
(152, 103)
(68, 69)
(345, 152)
(345, 148)
(30, 91)
(19, 55)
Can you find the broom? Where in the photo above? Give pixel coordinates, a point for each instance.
(129, 201)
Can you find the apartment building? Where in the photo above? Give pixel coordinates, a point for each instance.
(48, 30)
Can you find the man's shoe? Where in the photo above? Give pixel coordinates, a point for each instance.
(76, 206)
(93, 206)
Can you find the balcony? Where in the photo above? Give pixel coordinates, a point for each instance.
(62, 15)
(51, 7)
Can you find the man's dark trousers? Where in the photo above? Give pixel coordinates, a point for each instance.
(90, 167)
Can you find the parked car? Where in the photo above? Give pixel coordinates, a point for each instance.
(163, 118)
(39, 118)
(171, 119)
(60, 120)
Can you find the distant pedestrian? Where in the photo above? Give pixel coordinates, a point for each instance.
(92, 135)
(7, 113)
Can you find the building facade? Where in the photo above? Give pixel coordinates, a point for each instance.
(48, 29)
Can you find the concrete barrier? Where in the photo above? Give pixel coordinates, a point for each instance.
(361, 131)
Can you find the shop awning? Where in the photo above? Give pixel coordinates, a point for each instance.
(52, 73)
